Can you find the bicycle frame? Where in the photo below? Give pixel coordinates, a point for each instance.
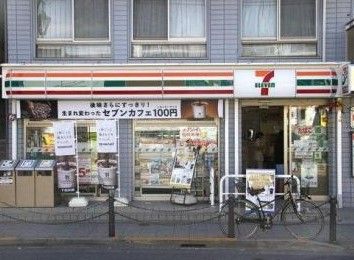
(263, 204)
(226, 181)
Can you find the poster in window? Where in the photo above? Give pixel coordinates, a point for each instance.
(64, 136)
(106, 136)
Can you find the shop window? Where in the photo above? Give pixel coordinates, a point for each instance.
(309, 148)
(169, 29)
(176, 156)
(279, 28)
(73, 29)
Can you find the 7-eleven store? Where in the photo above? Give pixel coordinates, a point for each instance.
(162, 109)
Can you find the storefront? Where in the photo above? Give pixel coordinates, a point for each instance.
(286, 123)
(199, 118)
(165, 121)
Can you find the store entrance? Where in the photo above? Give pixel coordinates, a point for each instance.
(263, 138)
(291, 139)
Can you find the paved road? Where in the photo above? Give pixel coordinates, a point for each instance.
(137, 252)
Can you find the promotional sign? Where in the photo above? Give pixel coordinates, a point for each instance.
(64, 136)
(39, 110)
(66, 169)
(261, 179)
(351, 77)
(111, 109)
(106, 136)
(184, 165)
(265, 83)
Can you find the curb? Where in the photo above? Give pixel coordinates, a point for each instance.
(186, 242)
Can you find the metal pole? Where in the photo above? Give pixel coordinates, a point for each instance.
(333, 220)
(111, 219)
(231, 217)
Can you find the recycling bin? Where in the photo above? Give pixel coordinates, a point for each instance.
(44, 183)
(7, 183)
(25, 193)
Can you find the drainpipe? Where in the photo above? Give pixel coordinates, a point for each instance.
(324, 18)
(14, 130)
(237, 155)
(227, 144)
(339, 153)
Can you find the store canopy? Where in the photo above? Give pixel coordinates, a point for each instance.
(170, 81)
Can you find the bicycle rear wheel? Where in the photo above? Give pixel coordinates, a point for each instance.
(305, 221)
(246, 218)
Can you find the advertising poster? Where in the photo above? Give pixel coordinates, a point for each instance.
(112, 109)
(309, 174)
(39, 110)
(64, 136)
(84, 163)
(184, 165)
(107, 170)
(66, 169)
(106, 136)
(261, 179)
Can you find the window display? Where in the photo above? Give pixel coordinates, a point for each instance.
(40, 145)
(169, 157)
(309, 148)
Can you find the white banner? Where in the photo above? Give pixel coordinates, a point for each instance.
(106, 136)
(64, 136)
(111, 109)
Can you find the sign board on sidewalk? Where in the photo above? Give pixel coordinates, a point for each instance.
(261, 179)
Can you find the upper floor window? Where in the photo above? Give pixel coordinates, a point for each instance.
(279, 27)
(73, 29)
(169, 28)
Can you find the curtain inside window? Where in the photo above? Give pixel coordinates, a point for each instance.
(298, 18)
(187, 18)
(54, 19)
(91, 19)
(150, 19)
(259, 18)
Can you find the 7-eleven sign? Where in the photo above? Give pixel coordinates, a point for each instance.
(265, 76)
(265, 83)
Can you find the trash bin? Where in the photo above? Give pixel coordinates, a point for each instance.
(25, 194)
(44, 183)
(7, 183)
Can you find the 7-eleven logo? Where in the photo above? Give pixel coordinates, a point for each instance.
(265, 85)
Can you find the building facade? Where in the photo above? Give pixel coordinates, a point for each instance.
(185, 82)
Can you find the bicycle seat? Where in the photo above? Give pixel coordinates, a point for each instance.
(255, 192)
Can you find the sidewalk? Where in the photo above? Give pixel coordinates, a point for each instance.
(152, 223)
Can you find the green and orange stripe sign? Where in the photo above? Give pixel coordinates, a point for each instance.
(120, 84)
(316, 82)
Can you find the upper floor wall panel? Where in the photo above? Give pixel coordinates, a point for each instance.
(193, 31)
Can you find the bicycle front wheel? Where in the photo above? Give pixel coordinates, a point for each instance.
(246, 218)
(303, 219)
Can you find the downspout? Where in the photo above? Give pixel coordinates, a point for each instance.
(237, 155)
(339, 153)
(324, 18)
(14, 129)
(227, 165)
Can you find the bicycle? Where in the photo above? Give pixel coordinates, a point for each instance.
(300, 216)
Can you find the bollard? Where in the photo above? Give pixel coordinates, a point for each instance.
(111, 219)
(231, 218)
(332, 219)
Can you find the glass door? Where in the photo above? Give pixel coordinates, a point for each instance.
(308, 139)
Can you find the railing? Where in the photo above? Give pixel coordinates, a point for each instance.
(236, 192)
